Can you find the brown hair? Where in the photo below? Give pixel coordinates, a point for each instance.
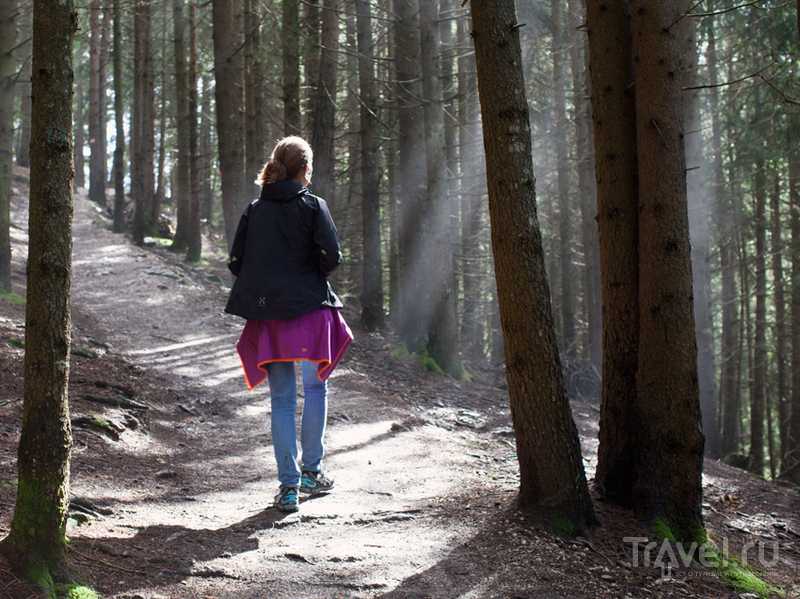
(290, 156)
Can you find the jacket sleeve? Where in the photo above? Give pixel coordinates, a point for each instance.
(237, 249)
(327, 238)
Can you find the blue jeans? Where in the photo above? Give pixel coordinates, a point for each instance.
(283, 393)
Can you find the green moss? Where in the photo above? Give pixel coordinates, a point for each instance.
(737, 576)
(401, 351)
(16, 342)
(75, 591)
(662, 529)
(12, 298)
(562, 526)
(431, 365)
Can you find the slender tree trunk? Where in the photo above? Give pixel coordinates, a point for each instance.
(442, 325)
(143, 125)
(759, 372)
(183, 187)
(159, 198)
(587, 185)
(310, 29)
(781, 386)
(229, 70)
(791, 458)
(414, 308)
(669, 451)
(97, 159)
(552, 481)
(204, 167)
(699, 211)
(372, 314)
(323, 130)
(290, 40)
(78, 127)
(8, 68)
(24, 86)
(119, 120)
(567, 308)
(473, 184)
(728, 394)
(195, 247)
(36, 545)
(614, 116)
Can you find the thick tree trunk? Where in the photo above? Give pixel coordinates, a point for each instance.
(8, 68)
(669, 451)
(229, 71)
(143, 124)
(372, 314)
(552, 481)
(36, 544)
(614, 116)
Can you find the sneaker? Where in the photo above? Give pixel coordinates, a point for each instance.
(287, 500)
(315, 483)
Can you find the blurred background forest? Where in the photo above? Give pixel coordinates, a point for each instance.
(177, 105)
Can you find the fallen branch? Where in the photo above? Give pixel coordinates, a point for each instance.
(121, 402)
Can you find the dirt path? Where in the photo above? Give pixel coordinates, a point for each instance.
(424, 466)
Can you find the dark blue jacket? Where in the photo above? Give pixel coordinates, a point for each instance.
(285, 247)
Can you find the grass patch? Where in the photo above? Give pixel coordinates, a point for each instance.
(12, 298)
(16, 342)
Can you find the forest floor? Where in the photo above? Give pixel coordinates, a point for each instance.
(176, 502)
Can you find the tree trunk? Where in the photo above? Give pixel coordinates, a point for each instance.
(614, 116)
(97, 158)
(78, 128)
(195, 247)
(119, 120)
(290, 40)
(442, 327)
(142, 124)
(414, 309)
(552, 481)
(24, 87)
(8, 69)
(229, 71)
(781, 386)
(183, 183)
(669, 451)
(36, 544)
(791, 457)
(567, 308)
(587, 186)
(323, 131)
(372, 314)
(699, 211)
(758, 390)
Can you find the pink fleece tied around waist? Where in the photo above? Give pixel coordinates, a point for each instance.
(321, 336)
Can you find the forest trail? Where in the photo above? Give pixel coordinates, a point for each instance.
(425, 469)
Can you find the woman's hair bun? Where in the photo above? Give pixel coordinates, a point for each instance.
(291, 155)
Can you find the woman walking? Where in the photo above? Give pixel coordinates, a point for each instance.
(285, 247)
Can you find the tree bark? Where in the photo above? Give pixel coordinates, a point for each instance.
(669, 451)
(24, 86)
(195, 241)
(759, 373)
(791, 458)
(442, 327)
(552, 481)
(614, 116)
(290, 40)
(372, 313)
(97, 158)
(182, 191)
(36, 544)
(229, 71)
(8, 68)
(323, 131)
(119, 120)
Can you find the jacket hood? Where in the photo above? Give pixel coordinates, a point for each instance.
(282, 191)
